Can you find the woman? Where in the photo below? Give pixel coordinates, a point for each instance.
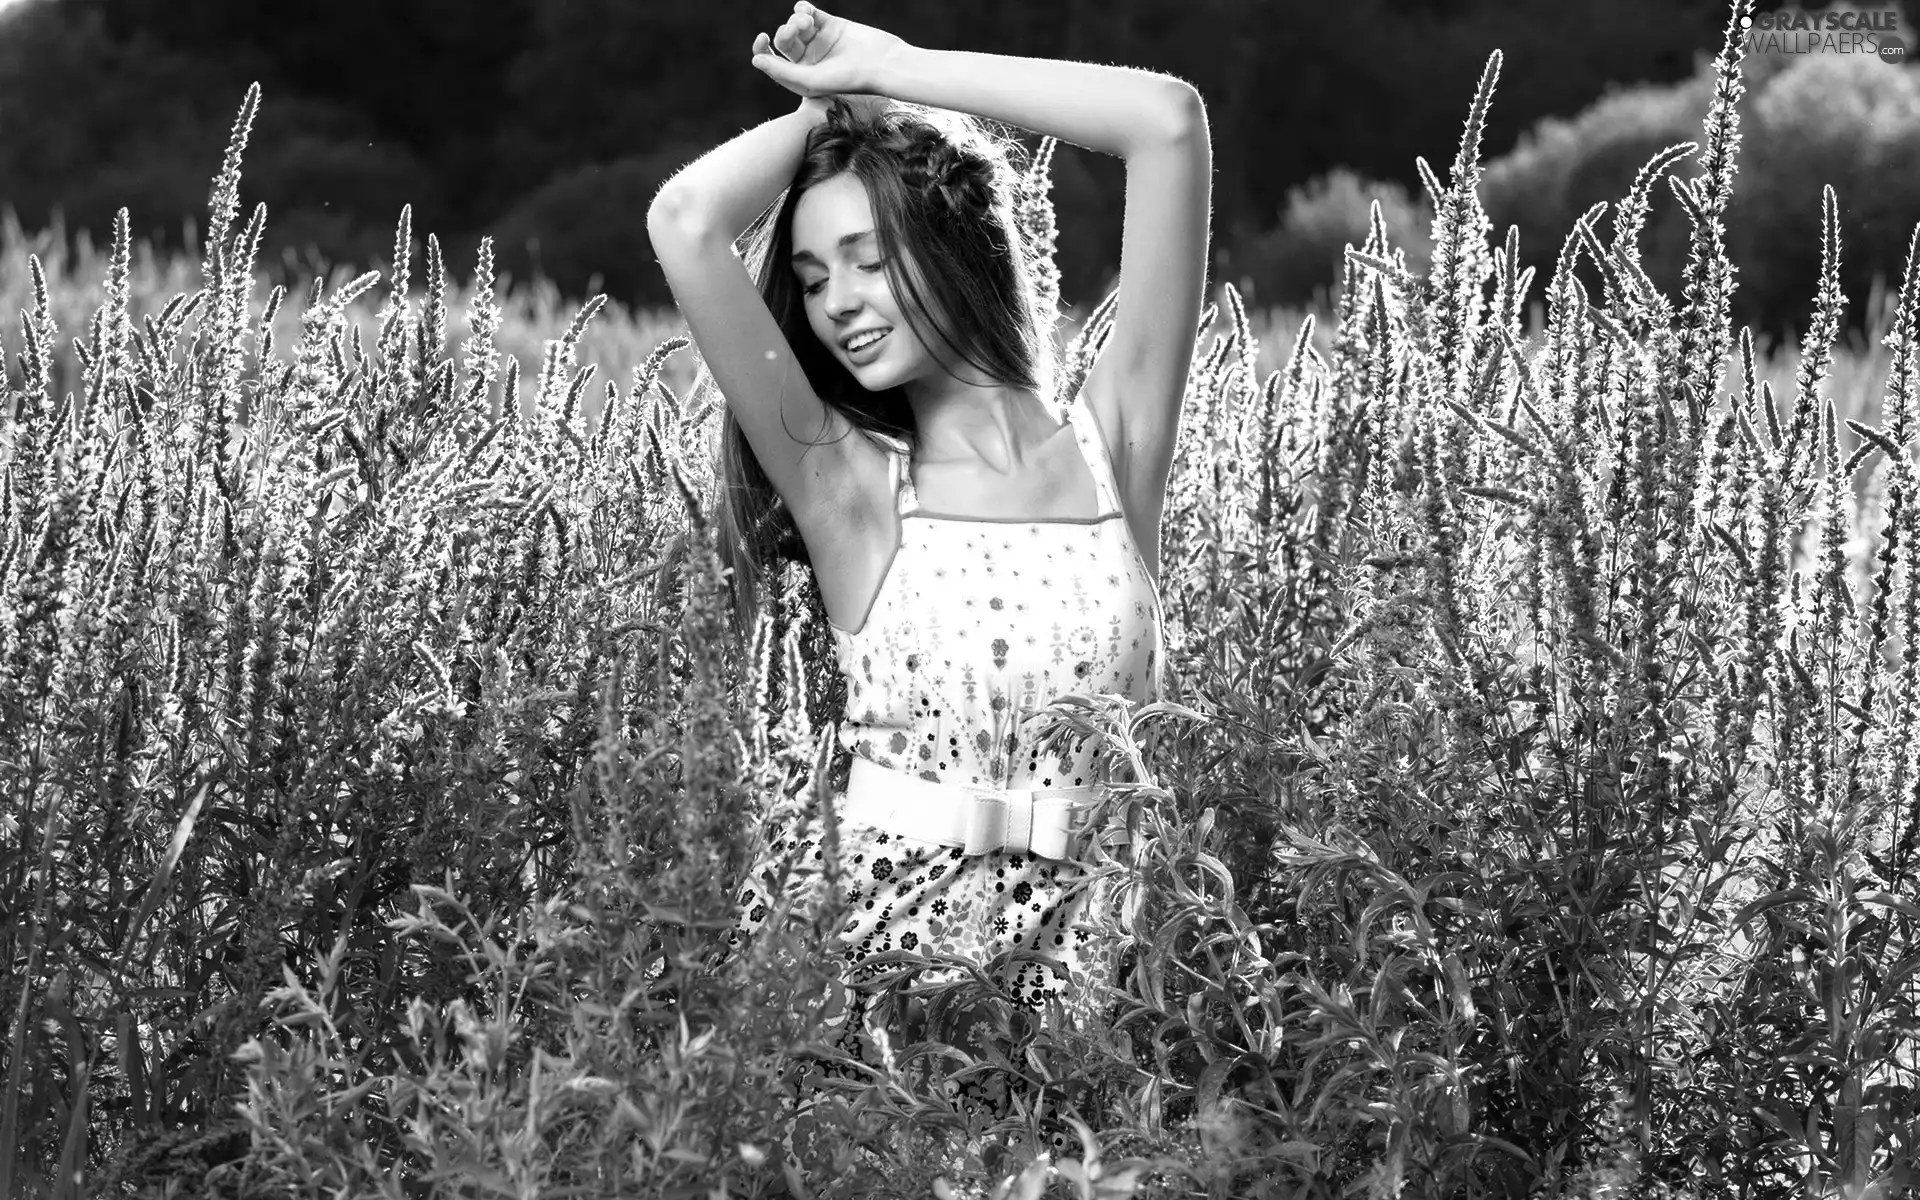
(977, 553)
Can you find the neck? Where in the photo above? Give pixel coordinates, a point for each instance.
(972, 419)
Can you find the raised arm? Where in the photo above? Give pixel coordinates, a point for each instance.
(1158, 125)
(799, 441)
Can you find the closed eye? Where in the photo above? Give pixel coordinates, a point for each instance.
(814, 287)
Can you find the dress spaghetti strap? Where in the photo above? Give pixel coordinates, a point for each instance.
(1093, 448)
(906, 500)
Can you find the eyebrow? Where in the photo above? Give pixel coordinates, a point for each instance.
(846, 239)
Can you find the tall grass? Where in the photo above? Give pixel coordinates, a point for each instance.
(531, 312)
(1533, 811)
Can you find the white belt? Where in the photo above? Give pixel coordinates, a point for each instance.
(977, 817)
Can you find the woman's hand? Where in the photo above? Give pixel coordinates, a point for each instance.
(824, 54)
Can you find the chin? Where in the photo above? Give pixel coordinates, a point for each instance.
(876, 378)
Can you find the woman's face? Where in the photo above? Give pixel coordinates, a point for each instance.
(836, 256)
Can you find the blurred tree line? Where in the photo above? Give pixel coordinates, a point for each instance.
(549, 124)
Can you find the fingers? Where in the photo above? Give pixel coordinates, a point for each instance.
(793, 36)
(790, 41)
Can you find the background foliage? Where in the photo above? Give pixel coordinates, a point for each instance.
(546, 121)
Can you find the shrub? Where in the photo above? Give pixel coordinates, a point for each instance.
(1300, 261)
(75, 152)
(1853, 125)
(1844, 120)
(1560, 167)
(580, 229)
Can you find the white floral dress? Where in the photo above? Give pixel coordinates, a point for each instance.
(977, 624)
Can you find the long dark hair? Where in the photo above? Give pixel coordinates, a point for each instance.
(942, 190)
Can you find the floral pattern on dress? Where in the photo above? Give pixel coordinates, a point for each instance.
(977, 624)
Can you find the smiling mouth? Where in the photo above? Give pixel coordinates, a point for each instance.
(861, 347)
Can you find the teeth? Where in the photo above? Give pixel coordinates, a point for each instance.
(866, 339)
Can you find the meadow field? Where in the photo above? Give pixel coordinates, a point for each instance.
(1535, 809)
(621, 339)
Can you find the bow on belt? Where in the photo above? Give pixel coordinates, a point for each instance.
(975, 817)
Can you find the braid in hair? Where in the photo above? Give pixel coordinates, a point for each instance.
(952, 176)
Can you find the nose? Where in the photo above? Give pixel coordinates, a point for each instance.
(840, 297)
